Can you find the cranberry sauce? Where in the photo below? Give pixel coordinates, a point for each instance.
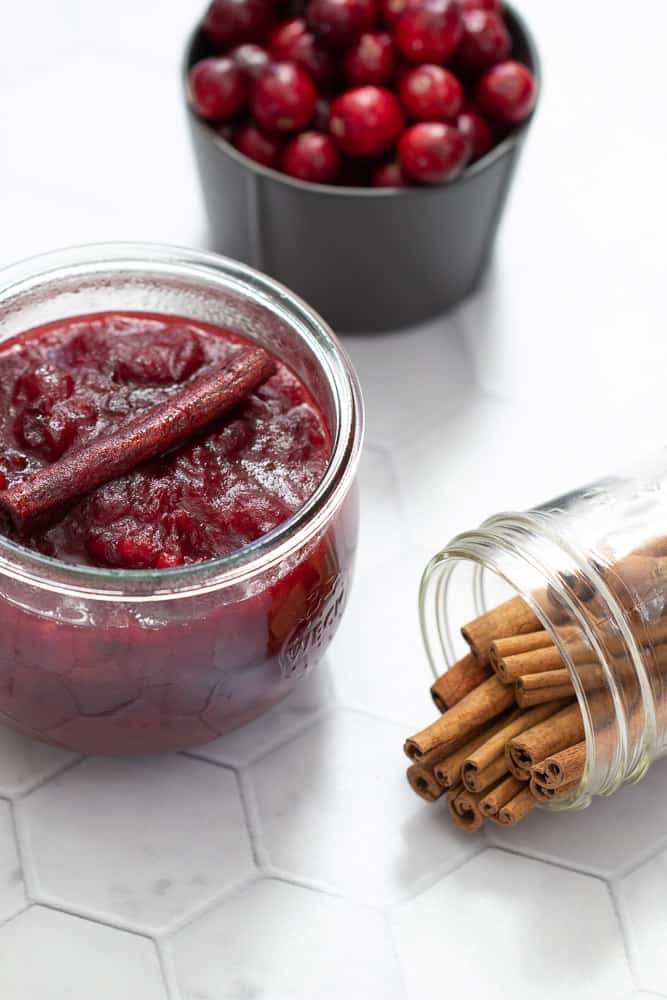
(64, 384)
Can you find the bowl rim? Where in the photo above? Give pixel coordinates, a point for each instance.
(341, 191)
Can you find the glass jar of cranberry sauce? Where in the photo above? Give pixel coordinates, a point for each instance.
(126, 661)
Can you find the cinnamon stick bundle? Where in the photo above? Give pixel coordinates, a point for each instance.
(518, 807)
(561, 768)
(489, 749)
(447, 770)
(535, 689)
(464, 810)
(479, 781)
(555, 733)
(542, 793)
(500, 795)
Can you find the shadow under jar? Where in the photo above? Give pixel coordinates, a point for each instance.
(116, 661)
(368, 259)
(592, 566)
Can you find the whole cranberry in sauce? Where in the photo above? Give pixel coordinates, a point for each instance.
(231, 22)
(337, 23)
(218, 88)
(429, 30)
(507, 92)
(366, 121)
(431, 93)
(432, 152)
(283, 98)
(312, 156)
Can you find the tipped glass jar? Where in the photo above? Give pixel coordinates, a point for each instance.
(126, 661)
(592, 565)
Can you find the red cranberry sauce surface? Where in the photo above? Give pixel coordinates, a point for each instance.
(273, 69)
(62, 385)
(108, 675)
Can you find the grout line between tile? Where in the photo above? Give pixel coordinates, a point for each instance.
(613, 889)
(166, 960)
(82, 913)
(252, 818)
(17, 913)
(23, 852)
(180, 923)
(25, 790)
(638, 862)
(547, 859)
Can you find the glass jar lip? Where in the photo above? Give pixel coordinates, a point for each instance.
(237, 567)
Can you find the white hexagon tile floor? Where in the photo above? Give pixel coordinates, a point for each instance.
(290, 861)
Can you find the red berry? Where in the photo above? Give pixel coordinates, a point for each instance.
(312, 156)
(337, 23)
(283, 98)
(264, 149)
(250, 58)
(428, 31)
(366, 121)
(432, 152)
(477, 131)
(230, 22)
(218, 88)
(371, 59)
(507, 92)
(389, 175)
(431, 94)
(293, 42)
(495, 6)
(485, 42)
(391, 10)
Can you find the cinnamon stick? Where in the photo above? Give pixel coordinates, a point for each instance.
(487, 751)
(479, 781)
(464, 810)
(559, 731)
(561, 768)
(447, 770)
(543, 794)
(497, 797)
(513, 645)
(514, 617)
(422, 781)
(148, 435)
(518, 807)
(539, 688)
(537, 661)
(457, 724)
(462, 678)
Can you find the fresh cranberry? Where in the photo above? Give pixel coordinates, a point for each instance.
(507, 92)
(218, 88)
(389, 175)
(293, 42)
(45, 384)
(431, 94)
(337, 23)
(251, 59)
(477, 131)
(312, 156)
(283, 98)
(429, 31)
(485, 42)
(391, 10)
(495, 6)
(371, 59)
(432, 152)
(259, 146)
(366, 121)
(231, 22)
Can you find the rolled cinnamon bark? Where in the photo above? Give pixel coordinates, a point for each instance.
(561, 768)
(462, 678)
(447, 771)
(479, 781)
(457, 725)
(515, 810)
(509, 668)
(423, 782)
(514, 645)
(518, 722)
(543, 794)
(556, 733)
(464, 810)
(497, 797)
(514, 617)
(535, 689)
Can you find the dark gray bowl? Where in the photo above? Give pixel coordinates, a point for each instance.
(368, 259)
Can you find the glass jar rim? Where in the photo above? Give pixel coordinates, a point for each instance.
(271, 549)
